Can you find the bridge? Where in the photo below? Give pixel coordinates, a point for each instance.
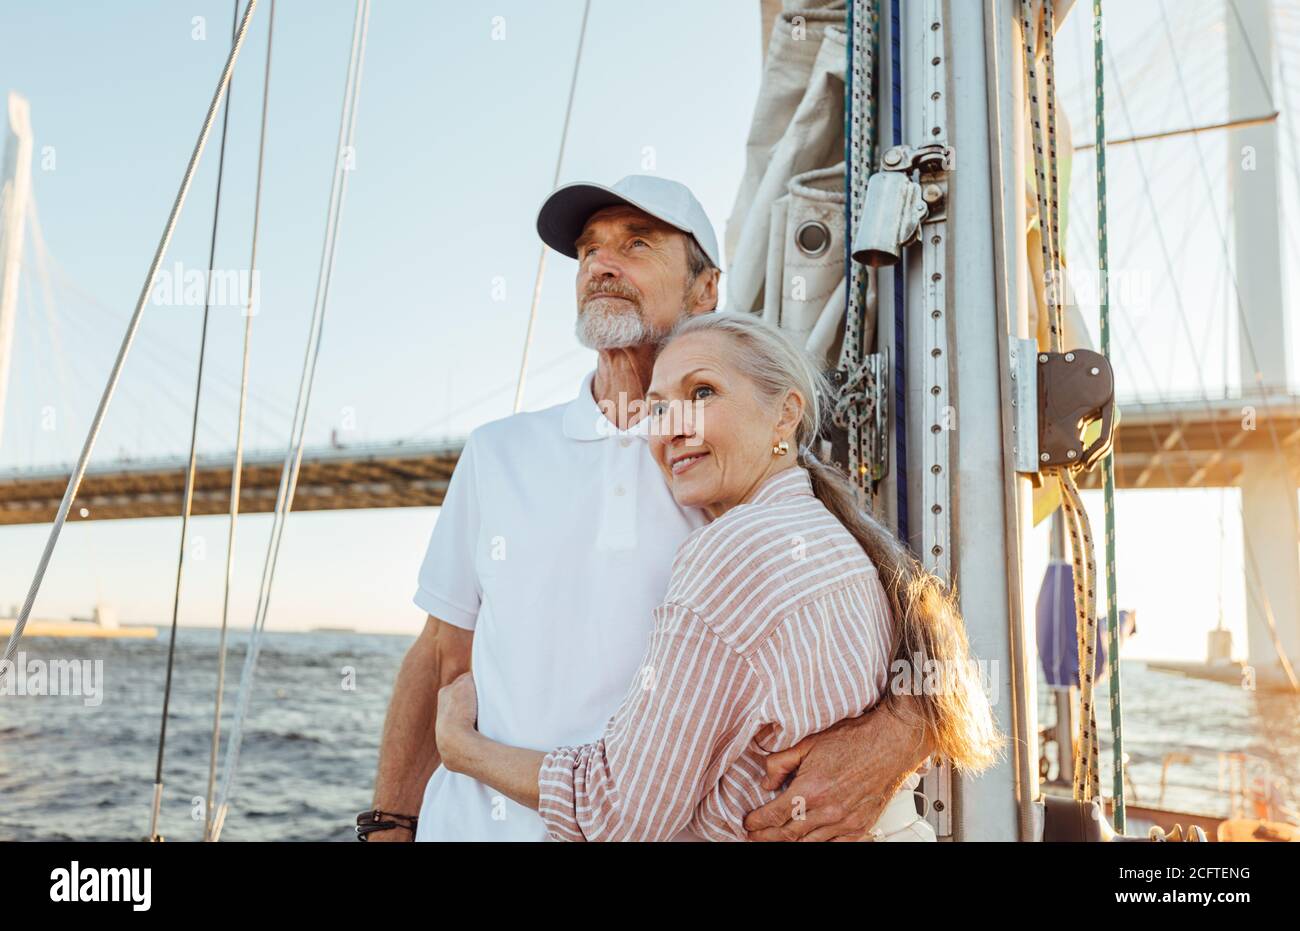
(330, 479)
(1192, 443)
(1199, 442)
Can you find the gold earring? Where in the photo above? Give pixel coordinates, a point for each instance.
(781, 448)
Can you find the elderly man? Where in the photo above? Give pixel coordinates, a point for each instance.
(554, 545)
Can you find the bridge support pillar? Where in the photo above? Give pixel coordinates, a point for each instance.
(1271, 553)
(1269, 515)
(16, 181)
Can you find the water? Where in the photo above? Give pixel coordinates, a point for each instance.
(1165, 713)
(307, 764)
(72, 772)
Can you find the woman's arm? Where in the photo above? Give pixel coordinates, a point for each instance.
(660, 753)
(657, 759)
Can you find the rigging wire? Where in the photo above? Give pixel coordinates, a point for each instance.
(236, 472)
(541, 261)
(491, 394)
(79, 470)
(293, 455)
(192, 468)
(1108, 463)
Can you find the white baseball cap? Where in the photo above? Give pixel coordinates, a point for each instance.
(566, 211)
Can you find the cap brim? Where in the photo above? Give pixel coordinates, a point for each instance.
(566, 211)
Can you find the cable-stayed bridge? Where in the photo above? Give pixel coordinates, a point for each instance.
(1191, 443)
(330, 479)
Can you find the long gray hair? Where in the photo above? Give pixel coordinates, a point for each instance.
(927, 624)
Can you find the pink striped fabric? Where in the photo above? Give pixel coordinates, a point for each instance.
(774, 615)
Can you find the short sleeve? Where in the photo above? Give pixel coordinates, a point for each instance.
(448, 582)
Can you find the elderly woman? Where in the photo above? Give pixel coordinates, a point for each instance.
(787, 612)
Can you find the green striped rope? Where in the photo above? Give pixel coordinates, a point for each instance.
(1108, 464)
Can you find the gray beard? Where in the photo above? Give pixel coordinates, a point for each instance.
(599, 328)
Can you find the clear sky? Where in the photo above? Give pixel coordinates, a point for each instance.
(458, 132)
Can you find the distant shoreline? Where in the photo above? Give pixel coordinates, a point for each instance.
(162, 627)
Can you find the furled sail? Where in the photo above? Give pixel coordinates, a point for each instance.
(785, 234)
(784, 237)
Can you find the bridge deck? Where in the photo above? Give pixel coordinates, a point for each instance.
(1199, 443)
(329, 479)
(1179, 444)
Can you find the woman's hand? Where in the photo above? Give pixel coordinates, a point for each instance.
(457, 715)
(511, 770)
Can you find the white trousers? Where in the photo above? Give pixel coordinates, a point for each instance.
(899, 821)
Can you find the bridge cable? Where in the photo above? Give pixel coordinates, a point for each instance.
(1243, 320)
(293, 455)
(1264, 603)
(79, 470)
(236, 471)
(541, 261)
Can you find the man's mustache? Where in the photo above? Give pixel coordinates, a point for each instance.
(613, 289)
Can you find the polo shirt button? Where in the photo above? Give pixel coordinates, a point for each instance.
(625, 442)
(618, 490)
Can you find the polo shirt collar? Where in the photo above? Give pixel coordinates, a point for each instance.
(788, 483)
(584, 420)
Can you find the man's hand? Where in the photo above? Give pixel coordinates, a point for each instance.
(843, 778)
(391, 836)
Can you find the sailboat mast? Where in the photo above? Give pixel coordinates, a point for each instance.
(967, 317)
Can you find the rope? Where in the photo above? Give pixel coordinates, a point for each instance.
(79, 471)
(899, 374)
(555, 182)
(856, 400)
(293, 455)
(1108, 464)
(192, 467)
(1086, 783)
(236, 473)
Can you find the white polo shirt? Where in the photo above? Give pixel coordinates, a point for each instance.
(554, 545)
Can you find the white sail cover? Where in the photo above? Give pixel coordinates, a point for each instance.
(794, 176)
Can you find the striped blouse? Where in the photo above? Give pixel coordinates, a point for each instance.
(773, 615)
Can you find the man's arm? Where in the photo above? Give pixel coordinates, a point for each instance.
(845, 776)
(408, 754)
